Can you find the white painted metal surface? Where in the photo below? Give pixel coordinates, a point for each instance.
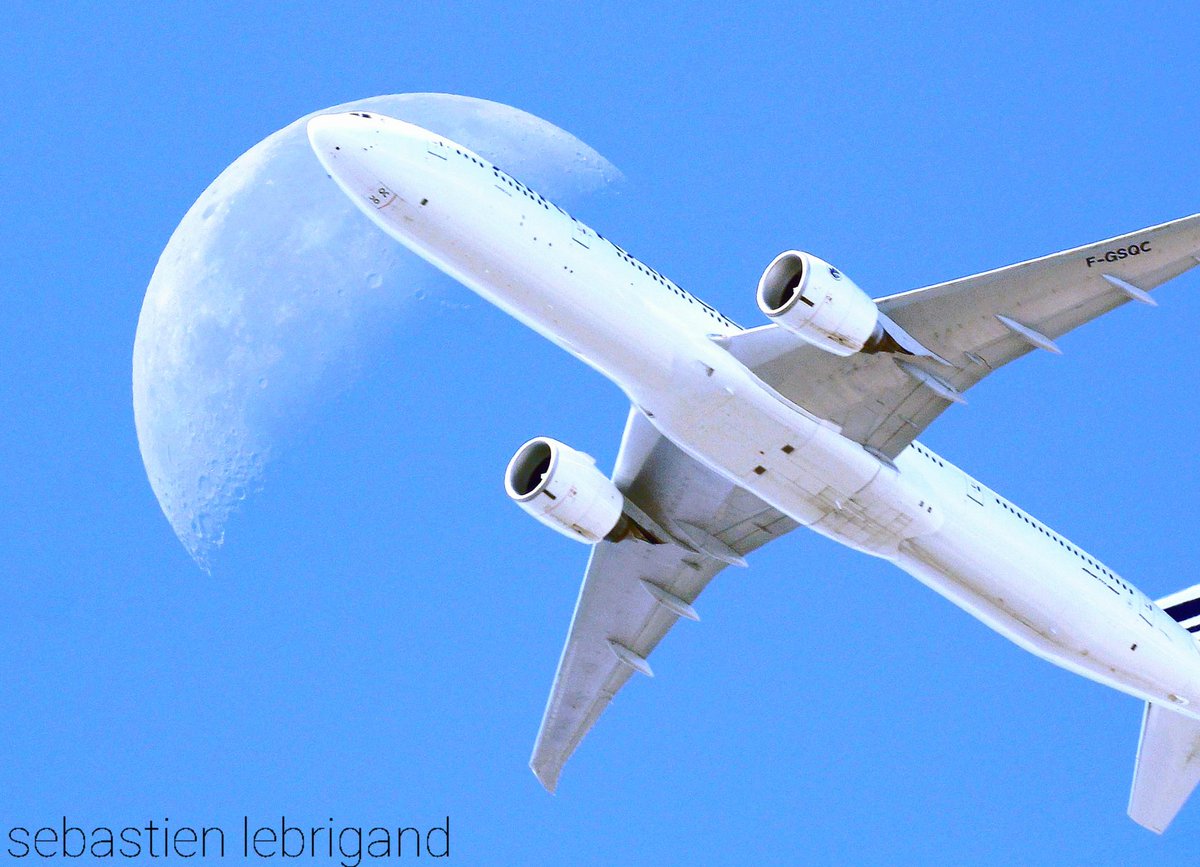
(737, 437)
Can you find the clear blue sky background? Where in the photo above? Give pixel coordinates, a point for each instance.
(377, 639)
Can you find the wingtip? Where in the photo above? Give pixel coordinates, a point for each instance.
(547, 776)
(1149, 824)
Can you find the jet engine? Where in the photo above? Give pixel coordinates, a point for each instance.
(819, 304)
(562, 488)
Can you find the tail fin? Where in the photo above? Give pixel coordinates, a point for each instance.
(1184, 608)
(1167, 769)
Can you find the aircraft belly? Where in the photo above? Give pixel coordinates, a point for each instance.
(1048, 608)
(727, 419)
(811, 473)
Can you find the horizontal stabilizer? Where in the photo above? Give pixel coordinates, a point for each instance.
(1168, 767)
(1184, 607)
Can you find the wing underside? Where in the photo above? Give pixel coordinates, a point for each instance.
(634, 591)
(977, 324)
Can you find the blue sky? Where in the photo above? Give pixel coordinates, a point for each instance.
(377, 638)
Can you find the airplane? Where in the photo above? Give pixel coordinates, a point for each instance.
(736, 437)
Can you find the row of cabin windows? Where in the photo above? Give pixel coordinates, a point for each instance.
(536, 198)
(659, 278)
(1031, 522)
(1054, 537)
(649, 272)
(473, 159)
(921, 450)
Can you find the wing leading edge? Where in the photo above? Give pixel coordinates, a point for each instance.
(634, 592)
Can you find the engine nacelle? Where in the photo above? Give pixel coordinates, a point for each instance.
(819, 304)
(562, 488)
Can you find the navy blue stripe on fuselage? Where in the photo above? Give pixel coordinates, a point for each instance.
(1184, 610)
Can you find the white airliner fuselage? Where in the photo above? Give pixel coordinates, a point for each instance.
(662, 347)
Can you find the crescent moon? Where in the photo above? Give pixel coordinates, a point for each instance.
(273, 291)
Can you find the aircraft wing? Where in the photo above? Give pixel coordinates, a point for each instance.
(634, 591)
(976, 324)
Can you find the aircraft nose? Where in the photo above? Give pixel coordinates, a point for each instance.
(329, 133)
(371, 155)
